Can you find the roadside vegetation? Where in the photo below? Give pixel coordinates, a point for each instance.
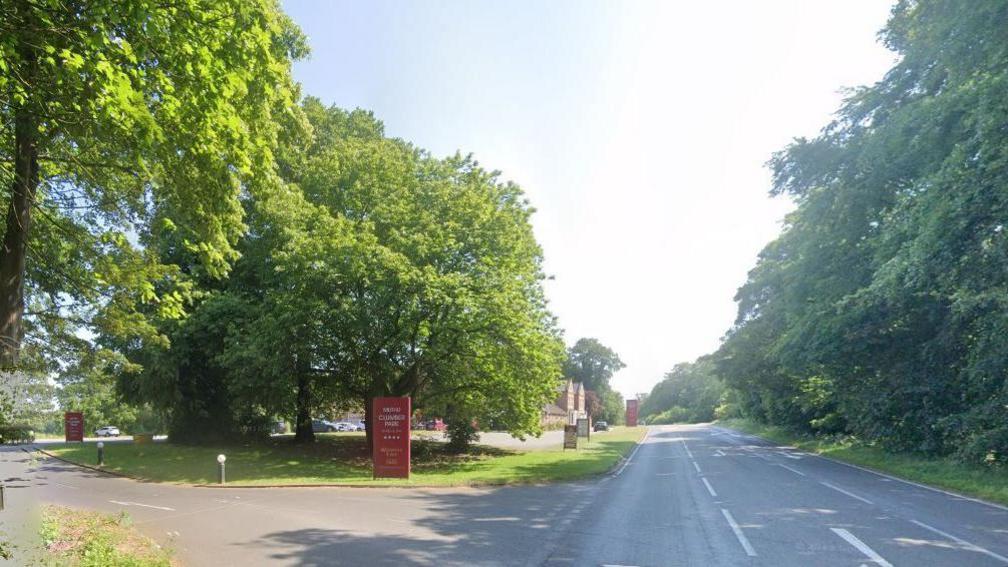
(948, 473)
(79, 538)
(880, 312)
(344, 459)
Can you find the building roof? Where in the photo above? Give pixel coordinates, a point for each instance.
(553, 409)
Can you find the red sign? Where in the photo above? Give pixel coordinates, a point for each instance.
(390, 418)
(73, 426)
(631, 413)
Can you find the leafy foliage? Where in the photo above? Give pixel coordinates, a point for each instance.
(881, 308)
(690, 392)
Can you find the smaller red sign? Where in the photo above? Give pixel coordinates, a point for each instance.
(73, 426)
(631, 413)
(390, 418)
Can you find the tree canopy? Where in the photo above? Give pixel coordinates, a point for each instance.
(881, 309)
(123, 124)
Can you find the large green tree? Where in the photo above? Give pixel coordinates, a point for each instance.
(121, 122)
(881, 309)
(593, 363)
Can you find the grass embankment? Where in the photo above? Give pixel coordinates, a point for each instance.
(92, 539)
(343, 459)
(952, 475)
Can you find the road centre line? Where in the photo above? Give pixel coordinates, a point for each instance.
(685, 446)
(696, 466)
(165, 508)
(739, 535)
(861, 546)
(965, 544)
(796, 471)
(842, 491)
(709, 487)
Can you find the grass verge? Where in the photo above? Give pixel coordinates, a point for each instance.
(343, 459)
(91, 539)
(951, 475)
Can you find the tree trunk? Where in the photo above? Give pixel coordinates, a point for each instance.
(303, 432)
(22, 199)
(15, 242)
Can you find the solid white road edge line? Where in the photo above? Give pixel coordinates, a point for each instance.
(165, 508)
(739, 535)
(842, 491)
(965, 544)
(861, 546)
(632, 453)
(709, 487)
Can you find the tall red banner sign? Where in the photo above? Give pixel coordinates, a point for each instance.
(73, 426)
(390, 419)
(631, 413)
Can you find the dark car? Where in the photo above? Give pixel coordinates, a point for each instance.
(601, 426)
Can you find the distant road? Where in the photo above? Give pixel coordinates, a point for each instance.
(690, 495)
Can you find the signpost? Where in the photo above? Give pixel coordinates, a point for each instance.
(570, 437)
(390, 418)
(73, 426)
(631, 413)
(583, 430)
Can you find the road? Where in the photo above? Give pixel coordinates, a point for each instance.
(690, 495)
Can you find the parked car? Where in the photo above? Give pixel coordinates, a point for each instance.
(601, 426)
(360, 426)
(345, 426)
(107, 431)
(323, 426)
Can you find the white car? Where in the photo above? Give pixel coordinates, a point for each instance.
(344, 426)
(107, 431)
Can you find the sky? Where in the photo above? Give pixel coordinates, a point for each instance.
(639, 131)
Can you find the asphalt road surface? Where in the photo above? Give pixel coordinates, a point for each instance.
(689, 495)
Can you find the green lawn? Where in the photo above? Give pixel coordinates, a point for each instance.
(965, 479)
(343, 459)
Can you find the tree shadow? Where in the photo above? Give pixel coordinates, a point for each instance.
(502, 526)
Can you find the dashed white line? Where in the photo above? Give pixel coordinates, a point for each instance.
(709, 487)
(167, 509)
(842, 491)
(861, 546)
(696, 466)
(685, 446)
(739, 535)
(796, 471)
(965, 544)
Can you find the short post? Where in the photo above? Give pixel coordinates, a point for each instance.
(101, 454)
(1, 496)
(220, 471)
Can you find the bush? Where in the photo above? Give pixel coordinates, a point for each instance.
(461, 434)
(16, 434)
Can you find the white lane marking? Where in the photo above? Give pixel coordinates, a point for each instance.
(143, 505)
(861, 546)
(696, 466)
(685, 446)
(965, 544)
(790, 456)
(842, 491)
(738, 533)
(709, 487)
(719, 453)
(616, 565)
(796, 471)
(632, 453)
(665, 474)
(910, 482)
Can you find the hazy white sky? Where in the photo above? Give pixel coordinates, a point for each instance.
(639, 131)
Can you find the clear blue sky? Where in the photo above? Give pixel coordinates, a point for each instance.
(639, 131)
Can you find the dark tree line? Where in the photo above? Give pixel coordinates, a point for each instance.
(882, 309)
